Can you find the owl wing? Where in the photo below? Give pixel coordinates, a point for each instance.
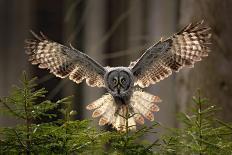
(64, 62)
(184, 48)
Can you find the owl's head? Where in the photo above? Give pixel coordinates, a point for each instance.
(119, 81)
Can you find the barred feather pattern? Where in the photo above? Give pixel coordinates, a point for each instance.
(141, 104)
(64, 62)
(184, 48)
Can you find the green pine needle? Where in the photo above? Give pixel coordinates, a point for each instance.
(48, 127)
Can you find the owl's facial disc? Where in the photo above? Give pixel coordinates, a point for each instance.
(119, 82)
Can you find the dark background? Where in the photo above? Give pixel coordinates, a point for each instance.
(115, 32)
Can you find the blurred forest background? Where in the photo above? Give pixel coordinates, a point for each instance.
(115, 32)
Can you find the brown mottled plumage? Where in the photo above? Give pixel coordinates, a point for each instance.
(124, 105)
(182, 49)
(64, 62)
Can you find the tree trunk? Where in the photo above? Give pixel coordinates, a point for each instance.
(162, 21)
(213, 75)
(14, 23)
(94, 31)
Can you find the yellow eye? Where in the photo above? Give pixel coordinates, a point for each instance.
(122, 80)
(115, 81)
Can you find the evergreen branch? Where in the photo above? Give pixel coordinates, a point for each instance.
(224, 124)
(200, 135)
(83, 145)
(151, 145)
(199, 119)
(11, 110)
(28, 122)
(18, 138)
(221, 134)
(206, 142)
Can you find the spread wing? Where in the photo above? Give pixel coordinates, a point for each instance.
(64, 62)
(182, 49)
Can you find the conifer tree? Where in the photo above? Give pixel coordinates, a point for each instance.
(47, 127)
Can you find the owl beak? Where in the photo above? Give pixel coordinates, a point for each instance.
(118, 88)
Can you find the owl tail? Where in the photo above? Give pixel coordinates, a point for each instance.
(144, 105)
(124, 116)
(112, 113)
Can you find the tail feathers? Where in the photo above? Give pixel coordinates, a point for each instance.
(99, 102)
(145, 104)
(148, 97)
(105, 109)
(148, 100)
(112, 113)
(123, 117)
(108, 116)
(139, 118)
(138, 106)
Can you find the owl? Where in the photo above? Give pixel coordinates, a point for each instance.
(125, 104)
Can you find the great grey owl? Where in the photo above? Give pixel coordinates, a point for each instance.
(125, 103)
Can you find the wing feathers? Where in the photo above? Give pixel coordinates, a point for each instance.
(63, 61)
(184, 48)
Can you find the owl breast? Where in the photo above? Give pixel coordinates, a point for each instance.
(119, 81)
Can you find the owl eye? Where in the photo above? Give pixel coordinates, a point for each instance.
(115, 81)
(122, 80)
